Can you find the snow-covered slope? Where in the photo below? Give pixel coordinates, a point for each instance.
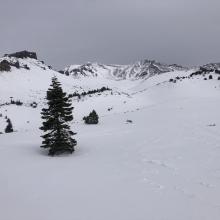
(30, 84)
(163, 165)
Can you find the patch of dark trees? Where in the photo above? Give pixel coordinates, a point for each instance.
(90, 92)
(12, 102)
(5, 66)
(201, 72)
(18, 103)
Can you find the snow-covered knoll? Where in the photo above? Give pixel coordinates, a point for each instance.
(165, 165)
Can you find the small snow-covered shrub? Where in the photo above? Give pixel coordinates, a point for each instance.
(33, 105)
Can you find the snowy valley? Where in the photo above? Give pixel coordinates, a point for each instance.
(155, 153)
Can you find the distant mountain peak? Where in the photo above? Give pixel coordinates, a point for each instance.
(141, 69)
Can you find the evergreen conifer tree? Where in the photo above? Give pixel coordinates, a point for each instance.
(9, 127)
(58, 136)
(92, 118)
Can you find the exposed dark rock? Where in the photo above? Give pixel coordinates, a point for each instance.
(16, 64)
(26, 67)
(212, 125)
(23, 54)
(61, 71)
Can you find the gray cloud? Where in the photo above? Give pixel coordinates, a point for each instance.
(117, 31)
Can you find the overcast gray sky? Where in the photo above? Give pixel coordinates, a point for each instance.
(67, 32)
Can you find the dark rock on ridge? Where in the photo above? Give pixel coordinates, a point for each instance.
(23, 54)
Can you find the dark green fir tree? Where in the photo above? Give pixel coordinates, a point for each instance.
(92, 118)
(9, 127)
(58, 135)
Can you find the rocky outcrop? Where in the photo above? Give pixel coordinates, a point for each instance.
(23, 54)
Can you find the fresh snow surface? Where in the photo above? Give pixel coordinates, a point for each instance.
(163, 166)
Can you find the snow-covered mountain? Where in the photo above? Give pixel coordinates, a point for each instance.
(153, 155)
(139, 70)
